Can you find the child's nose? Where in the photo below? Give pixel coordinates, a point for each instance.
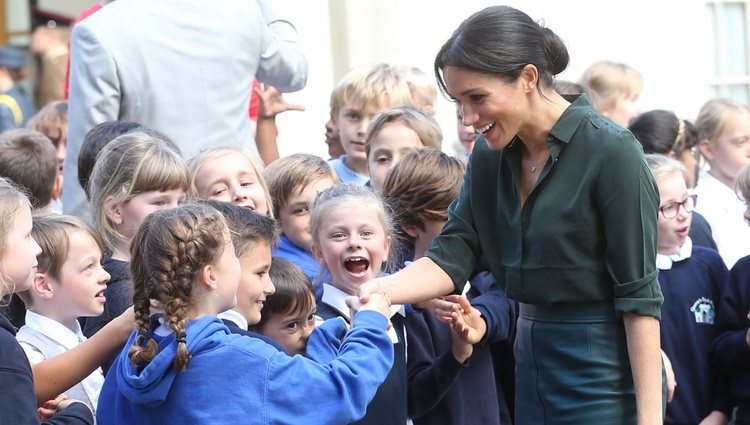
(239, 194)
(363, 125)
(269, 287)
(37, 248)
(355, 241)
(307, 330)
(683, 213)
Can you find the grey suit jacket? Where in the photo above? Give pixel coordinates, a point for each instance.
(182, 67)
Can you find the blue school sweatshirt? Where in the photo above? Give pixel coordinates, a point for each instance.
(388, 407)
(692, 288)
(731, 354)
(234, 379)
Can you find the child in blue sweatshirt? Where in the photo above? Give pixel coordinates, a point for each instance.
(691, 279)
(188, 368)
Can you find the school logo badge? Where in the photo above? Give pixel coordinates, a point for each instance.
(703, 310)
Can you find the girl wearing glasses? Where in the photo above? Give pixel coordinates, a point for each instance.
(662, 132)
(691, 277)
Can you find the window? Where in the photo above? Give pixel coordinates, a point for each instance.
(728, 23)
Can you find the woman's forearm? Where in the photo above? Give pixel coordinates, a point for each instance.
(645, 361)
(56, 375)
(420, 281)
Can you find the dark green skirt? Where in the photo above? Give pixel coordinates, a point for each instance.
(572, 366)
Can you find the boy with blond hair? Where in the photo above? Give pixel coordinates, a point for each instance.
(359, 95)
(293, 183)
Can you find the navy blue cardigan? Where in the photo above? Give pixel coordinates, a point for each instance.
(731, 354)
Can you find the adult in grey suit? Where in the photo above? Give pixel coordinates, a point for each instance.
(182, 67)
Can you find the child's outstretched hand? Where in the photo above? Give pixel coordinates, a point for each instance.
(466, 321)
(441, 308)
(271, 102)
(461, 349)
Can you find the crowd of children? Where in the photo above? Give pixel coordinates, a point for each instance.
(216, 289)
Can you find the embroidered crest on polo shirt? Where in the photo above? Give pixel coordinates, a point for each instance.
(703, 310)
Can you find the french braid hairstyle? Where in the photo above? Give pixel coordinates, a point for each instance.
(168, 253)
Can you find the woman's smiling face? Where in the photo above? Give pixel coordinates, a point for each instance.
(497, 109)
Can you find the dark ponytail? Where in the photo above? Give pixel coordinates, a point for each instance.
(501, 40)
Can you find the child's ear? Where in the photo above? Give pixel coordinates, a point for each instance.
(57, 187)
(410, 229)
(208, 277)
(112, 210)
(706, 148)
(42, 287)
(317, 254)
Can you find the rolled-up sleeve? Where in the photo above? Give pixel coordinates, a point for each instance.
(628, 201)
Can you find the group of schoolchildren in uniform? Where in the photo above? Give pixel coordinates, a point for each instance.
(238, 275)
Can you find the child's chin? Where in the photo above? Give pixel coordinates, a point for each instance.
(94, 312)
(360, 278)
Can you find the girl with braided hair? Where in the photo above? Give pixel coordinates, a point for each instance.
(186, 366)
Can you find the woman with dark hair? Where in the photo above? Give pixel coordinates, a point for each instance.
(561, 203)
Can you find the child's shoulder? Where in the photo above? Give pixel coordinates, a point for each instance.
(250, 346)
(708, 257)
(742, 266)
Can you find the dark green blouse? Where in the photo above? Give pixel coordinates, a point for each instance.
(586, 233)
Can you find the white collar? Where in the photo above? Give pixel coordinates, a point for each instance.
(55, 330)
(664, 262)
(709, 183)
(234, 317)
(336, 298)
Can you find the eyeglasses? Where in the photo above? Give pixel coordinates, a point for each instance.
(671, 210)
